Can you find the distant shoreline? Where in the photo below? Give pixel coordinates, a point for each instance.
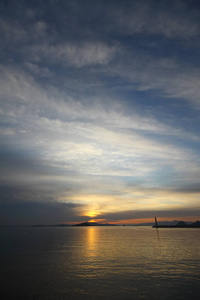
(180, 224)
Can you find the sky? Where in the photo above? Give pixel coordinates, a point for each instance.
(99, 111)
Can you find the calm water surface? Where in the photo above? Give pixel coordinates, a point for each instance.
(99, 263)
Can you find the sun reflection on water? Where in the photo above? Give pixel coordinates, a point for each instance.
(91, 240)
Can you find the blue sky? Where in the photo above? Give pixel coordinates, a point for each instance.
(99, 106)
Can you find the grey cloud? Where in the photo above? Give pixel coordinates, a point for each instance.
(28, 177)
(106, 143)
(193, 188)
(167, 76)
(12, 33)
(33, 213)
(38, 71)
(30, 203)
(147, 17)
(65, 19)
(142, 214)
(144, 72)
(83, 54)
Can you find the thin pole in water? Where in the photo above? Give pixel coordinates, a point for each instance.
(156, 223)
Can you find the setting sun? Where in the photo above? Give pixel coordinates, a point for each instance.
(91, 214)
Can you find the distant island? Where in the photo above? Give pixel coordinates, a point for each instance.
(180, 224)
(74, 225)
(93, 224)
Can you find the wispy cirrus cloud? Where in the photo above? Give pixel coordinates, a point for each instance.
(78, 55)
(92, 133)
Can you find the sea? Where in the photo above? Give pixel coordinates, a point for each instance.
(114, 262)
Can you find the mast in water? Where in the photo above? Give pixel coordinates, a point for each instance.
(156, 223)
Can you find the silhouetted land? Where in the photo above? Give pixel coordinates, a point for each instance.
(180, 224)
(93, 224)
(79, 224)
(162, 224)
